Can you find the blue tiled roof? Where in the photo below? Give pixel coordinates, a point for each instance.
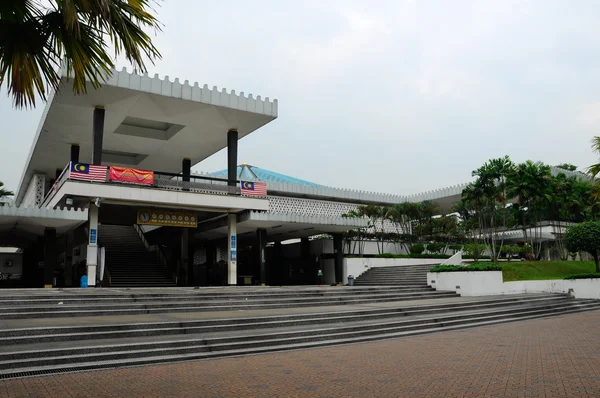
(247, 172)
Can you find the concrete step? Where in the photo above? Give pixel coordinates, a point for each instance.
(42, 335)
(201, 295)
(22, 312)
(237, 342)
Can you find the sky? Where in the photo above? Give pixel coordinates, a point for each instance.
(388, 96)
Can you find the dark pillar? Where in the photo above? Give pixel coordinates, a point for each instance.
(75, 151)
(57, 173)
(338, 257)
(49, 255)
(184, 272)
(186, 171)
(232, 150)
(211, 261)
(261, 243)
(277, 266)
(186, 168)
(307, 264)
(98, 135)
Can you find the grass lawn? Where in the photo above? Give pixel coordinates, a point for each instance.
(542, 270)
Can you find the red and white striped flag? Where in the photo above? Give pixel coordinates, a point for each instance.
(254, 188)
(88, 172)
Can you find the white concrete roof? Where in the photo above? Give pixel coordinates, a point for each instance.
(151, 123)
(285, 226)
(35, 220)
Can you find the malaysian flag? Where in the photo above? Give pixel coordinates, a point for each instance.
(254, 188)
(88, 172)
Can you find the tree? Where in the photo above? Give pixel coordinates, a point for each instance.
(402, 217)
(354, 238)
(487, 195)
(529, 184)
(585, 237)
(4, 193)
(594, 169)
(567, 166)
(36, 40)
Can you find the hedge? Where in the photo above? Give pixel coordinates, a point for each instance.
(435, 256)
(583, 276)
(468, 268)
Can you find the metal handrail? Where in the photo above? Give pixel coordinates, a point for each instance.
(169, 181)
(64, 175)
(153, 248)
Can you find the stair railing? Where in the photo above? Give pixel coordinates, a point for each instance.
(153, 248)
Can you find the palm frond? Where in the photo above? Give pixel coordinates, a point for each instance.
(35, 41)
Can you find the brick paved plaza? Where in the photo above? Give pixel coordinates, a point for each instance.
(553, 357)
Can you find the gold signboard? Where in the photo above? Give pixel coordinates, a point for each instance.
(167, 218)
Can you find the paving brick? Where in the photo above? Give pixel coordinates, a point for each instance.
(553, 357)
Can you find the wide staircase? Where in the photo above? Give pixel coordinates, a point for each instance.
(407, 275)
(128, 260)
(47, 331)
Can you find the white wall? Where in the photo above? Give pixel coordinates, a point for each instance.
(484, 283)
(356, 266)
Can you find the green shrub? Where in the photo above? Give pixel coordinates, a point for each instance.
(417, 249)
(511, 250)
(386, 255)
(455, 247)
(435, 247)
(585, 237)
(467, 257)
(468, 268)
(584, 276)
(435, 256)
(475, 250)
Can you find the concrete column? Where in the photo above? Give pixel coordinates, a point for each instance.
(261, 243)
(278, 265)
(232, 151)
(232, 252)
(92, 248)
(310, 270)
(211, 261)
(186, 169)
(184, 273)
(75, 153)
(68, 259)
(338, 258)
(98, 135)
(49, 256)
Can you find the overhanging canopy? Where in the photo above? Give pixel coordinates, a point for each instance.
(150, 123)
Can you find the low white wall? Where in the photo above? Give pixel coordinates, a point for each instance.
(356, 266)
(483, 283)
(467, 283)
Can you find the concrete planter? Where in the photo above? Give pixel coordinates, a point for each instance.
(484, 283)
(355, 265)
(473, 283)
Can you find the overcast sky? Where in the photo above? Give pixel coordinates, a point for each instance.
(390, 96)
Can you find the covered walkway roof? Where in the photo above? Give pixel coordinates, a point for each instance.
(29, 222)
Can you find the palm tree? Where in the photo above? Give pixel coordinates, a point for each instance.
(594, 169)
(36, 40)
(530, 184)
(4, 193)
